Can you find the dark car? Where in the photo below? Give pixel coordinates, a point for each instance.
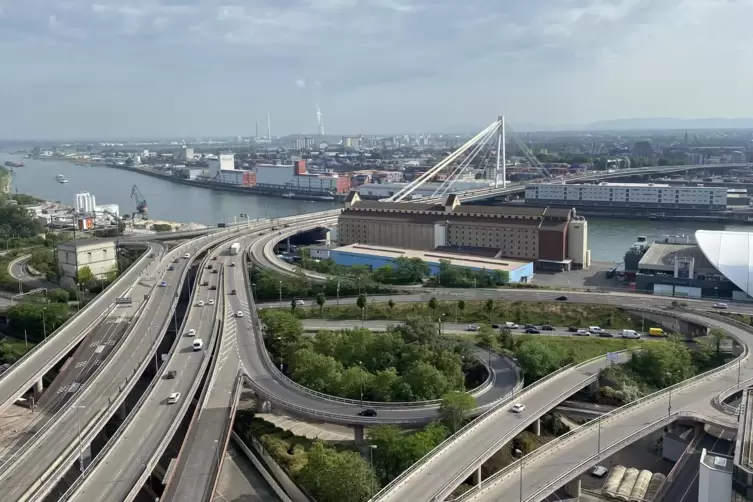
(605, 334)
(497, 326)
(213, 288)
(368, 412)
(209, 267)
(214, 258)
(532, 331)
(572, 329)
(562, 298)
(205, 283)
(529, 326)
(171, 374)
(547, 327)
(232, 292)
(214, 271)
(232, 264)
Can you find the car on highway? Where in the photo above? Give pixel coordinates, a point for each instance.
(213, 288)
(214, 271)
(532, 331)
(582, 332)
(170, 268)
(191, 332)
(163, 284)
(605, 334)
(171, 374)
(173, 398)
(210, 302)
(232, 264)
(232, 291)
(599, 471)
(594, 329)
(186, 256)
(200, 303)
(511, 325)
(720, 305)
(239, 313)
(300, 303)
(518, 407)
(561, 298)
(472, 327)
(529, 326)
(209, 267)
(572, 329)
(547, 327)
(368, 412)
(496, 326)
(198, 344)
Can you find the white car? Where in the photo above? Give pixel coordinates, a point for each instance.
(599, 471)
(210, 302)
(173, 398)
(720, 305)
(239, 313)
(472, 327)
(200, 303)
(582, 332)
(300, 302)
(186, 256)
(191, 332)
(518, 407)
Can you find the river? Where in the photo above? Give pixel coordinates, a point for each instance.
(608, 239)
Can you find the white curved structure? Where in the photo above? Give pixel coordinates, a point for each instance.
(731, 253)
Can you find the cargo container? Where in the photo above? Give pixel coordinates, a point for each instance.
(235, 248)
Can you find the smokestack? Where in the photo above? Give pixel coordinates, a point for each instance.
(256, 134)
(269, 126)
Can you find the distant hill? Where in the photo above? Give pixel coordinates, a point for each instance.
(648, 124)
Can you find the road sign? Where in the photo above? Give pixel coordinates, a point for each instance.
(613, 357)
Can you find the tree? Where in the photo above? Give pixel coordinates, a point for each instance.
(321, 300)
(85, 275)
(58, 295)
(426, 381)
(324, 475)
(505, 339)
(36, 319)
(537, 359)
(293, 304)
(663, 364)
(361, 303)
(485, 336)
(461, 308)
(489, 307)
(282, 324)
(396, 451)
(455, 408)
(717, 336)
(391, 304)
(433, 304)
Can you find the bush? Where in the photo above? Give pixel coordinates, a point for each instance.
(58, 295)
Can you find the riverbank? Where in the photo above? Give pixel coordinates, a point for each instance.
(5, 181)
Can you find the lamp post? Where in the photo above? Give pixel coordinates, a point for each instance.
(253, 286)
(44, 323)
(669, 405)
(372, 447)
(280, 294)
(361, 365)
(519, 454)
(80, 442)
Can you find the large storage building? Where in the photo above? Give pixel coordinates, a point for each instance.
(643, 195)
(540, 235)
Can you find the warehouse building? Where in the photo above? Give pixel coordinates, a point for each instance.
(627, 195)
(551, 238)
(98, 254)
(380, 256)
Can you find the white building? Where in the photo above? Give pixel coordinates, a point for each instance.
(714, 477)
(226, 162)
(643, 195)
(382, 190)
(99, 255)
(106, 210)
(85, 203)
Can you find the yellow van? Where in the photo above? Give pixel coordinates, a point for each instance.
(656, 332)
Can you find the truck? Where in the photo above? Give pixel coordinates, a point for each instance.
(630, 333)
(234, 248)
(656, 332)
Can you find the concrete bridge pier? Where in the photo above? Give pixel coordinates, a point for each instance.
(38, 389)
(572, 489)
(476, 480)
(122, 412)
(85, 457)
(358, 434)
(537, 427)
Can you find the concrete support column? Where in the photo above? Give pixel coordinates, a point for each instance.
(476, 477)
(122, 413)
(537, 427)
(572, 489)
(358, 434)
(287, 244)
(38, 389)
(86, 456)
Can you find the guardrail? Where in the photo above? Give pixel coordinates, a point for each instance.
(269, 478)
(147, 360)
(610, 415)
(719, 403)
(133, 271)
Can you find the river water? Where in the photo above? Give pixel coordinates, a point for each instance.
(608, 239)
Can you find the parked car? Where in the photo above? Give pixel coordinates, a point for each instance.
(562, 298)
(173, 398)
(368, 412)
(518, 407)
(599, 471)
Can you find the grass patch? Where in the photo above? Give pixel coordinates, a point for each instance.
(583, 348)
(11, 350)
(556, 314)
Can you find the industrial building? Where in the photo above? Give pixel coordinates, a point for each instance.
(552, 238)
(627, 195)
(380, 256)
(383, 190)
(97, 254)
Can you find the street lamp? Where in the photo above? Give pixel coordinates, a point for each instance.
(44, 324)
(280, 294)
(372, 447)
(361, 365)
(519, 454)
(80, 442)
(254, 291)
(669, 405)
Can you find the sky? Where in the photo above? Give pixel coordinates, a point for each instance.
(75, 69)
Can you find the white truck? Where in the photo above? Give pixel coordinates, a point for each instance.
(235, 248)
(630, 333)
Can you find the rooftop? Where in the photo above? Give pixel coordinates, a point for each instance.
(664, 256)
(79, 244)
(716, 462)
(460, 260)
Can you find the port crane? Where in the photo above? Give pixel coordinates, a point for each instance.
(141, 206)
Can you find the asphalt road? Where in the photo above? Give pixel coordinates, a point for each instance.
(17, 270)
(560, 457)
(118, 467)
(196, 469)
(684, 488)
(45, 453)
(18, 379)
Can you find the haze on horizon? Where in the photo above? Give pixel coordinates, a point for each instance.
(169, 68)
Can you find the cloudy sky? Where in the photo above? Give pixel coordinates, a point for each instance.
(139, 68)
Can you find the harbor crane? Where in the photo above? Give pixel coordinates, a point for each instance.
(141, 206)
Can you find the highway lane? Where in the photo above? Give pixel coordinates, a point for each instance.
(117, 468)
(43, 454)
(561, 456)
(19, 378)
(196, 469)
(17, 269)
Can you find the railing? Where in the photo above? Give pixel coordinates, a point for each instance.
(584, 429)
(134, 270)
(460, 434)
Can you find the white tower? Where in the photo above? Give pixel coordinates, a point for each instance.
(319, 122)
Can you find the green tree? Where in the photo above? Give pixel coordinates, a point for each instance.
(717, 336)
(537, 359)
(663, 364)
(383, 385)
(361, 304)
(486, 336)
(489, 307)
(58, 295)
(391, 304)
(455, 408)
(293, 304)
(505, 339)
(36, 319)
(324, 475)
(85, 275)
(282, 324)
(426, 381)
(396, 450)
(315, 371)
(461, 308)
(321, 300)
(433, 304)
